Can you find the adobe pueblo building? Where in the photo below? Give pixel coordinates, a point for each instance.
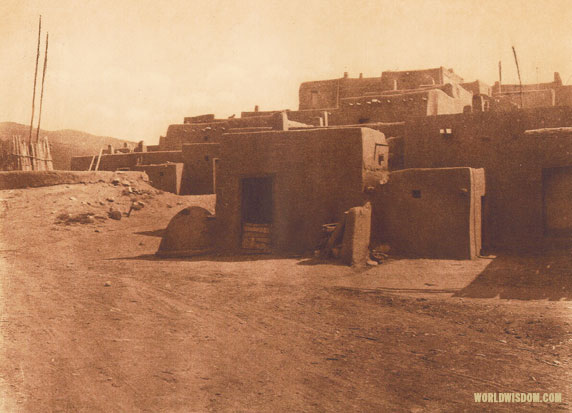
(277, 189)
(445, 168)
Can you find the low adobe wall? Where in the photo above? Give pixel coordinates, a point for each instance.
(125, 160)
(431, 213)
(514, 161)
(33, 179)
(166, 177)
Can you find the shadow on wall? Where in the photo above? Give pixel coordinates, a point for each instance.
(539, 277)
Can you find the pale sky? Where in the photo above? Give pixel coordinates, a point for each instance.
(129, 68)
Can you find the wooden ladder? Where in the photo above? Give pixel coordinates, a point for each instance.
(93, 160)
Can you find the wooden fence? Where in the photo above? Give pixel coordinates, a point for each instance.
(21, 155)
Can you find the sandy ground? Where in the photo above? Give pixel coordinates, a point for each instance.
(91, 321)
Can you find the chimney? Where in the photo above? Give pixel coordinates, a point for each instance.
(345, 75)
(256, 108)
(361, 75)
(280, 120)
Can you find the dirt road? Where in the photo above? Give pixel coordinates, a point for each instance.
(92, 322)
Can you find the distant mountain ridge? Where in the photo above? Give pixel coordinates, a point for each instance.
(65, 143)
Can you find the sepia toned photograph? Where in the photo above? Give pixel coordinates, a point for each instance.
(285, 206)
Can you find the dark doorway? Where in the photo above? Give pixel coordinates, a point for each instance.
(257, 200)
(557, 201)
(257, 204)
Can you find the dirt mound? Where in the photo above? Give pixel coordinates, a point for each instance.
(100, 201)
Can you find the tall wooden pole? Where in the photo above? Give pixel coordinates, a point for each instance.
(500, 77)
(519, 79)
(42, 90)
(35, 79)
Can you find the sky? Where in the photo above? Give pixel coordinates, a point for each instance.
(130, 68)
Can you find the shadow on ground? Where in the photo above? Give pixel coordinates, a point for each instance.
(210, 257)
(320, 261)
(533, 277)
(156, 233)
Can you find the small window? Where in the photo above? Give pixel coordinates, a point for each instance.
(380, 159)
(416, 193)
(161, 173)
(446, 132)
(206, 138)
(207, 158)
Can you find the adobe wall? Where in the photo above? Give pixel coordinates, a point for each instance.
(478, 88)
(166, 177)
(564, 96)
(329, 93)
(513, 163)
(414, 79)
(211, 132)
(530, 99)
(125, 160)
(381, 108)
(351, 87)
(196, 176)
(555, 84)
(33, 179)
(178, 135)
(401, 106)
(199, 159)
(317, 175)
(557, 185)
(430, 213)
(200, 118)
(454, 100)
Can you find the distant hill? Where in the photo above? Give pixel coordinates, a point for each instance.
(64, 143)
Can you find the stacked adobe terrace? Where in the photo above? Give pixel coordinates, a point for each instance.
(518, 137)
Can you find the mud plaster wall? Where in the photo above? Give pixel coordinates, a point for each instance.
(319, 94)
(478, 88)
(564, 96)
(210, 132)
(327, 94)
(530, 98)
(413, 79)
(178, 135)
(32, 179)
(513, 163)
(399, 107)
(198, 173)
(430, 213)
(317, 175)
(166, 177)
(125, 160)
